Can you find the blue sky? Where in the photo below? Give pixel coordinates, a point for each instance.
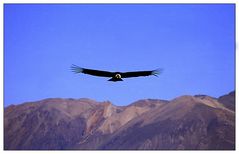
(194, 44)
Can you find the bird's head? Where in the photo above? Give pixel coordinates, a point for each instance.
(118, 76)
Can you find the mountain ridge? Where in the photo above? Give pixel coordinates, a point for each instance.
(186, 122)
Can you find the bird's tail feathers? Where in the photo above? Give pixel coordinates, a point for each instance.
(76, 69)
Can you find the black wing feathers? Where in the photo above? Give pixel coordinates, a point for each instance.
(78, 69)
(135, 74)
(140, 73)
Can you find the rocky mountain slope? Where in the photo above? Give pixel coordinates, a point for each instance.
(186, 122)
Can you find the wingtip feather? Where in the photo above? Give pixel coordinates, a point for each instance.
(157, 72)
(76, 69)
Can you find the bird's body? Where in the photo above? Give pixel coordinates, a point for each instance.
(114, 76)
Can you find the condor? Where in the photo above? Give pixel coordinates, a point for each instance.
(114, 76)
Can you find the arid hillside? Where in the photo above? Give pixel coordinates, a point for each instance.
(186, 122)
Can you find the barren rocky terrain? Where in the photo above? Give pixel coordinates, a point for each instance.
(186, 122)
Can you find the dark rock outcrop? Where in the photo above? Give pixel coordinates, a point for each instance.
(228, 100)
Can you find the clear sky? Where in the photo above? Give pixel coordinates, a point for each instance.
(194, 44)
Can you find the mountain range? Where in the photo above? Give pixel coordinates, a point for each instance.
(197, 122)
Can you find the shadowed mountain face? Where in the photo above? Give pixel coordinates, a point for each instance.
(186, 122)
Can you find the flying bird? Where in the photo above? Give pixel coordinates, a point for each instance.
(114, 76)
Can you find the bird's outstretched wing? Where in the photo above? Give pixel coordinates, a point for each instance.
(141, 73)
(78, 69)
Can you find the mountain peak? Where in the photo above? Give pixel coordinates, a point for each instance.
(186, 122)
